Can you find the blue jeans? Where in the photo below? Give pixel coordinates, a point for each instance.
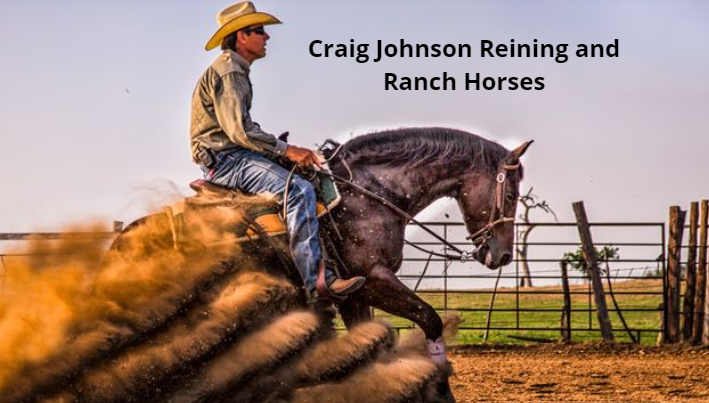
(253, 173)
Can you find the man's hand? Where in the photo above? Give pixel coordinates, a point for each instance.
(302, 156)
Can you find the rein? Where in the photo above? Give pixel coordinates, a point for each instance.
(480, 238)
(463, 256)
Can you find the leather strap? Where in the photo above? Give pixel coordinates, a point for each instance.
(497, 209)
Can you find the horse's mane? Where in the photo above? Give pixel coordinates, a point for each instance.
(411, 147)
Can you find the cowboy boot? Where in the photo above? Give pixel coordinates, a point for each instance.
(337, 289)
(342, 287)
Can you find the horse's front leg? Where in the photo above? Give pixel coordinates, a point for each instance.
(385, 291)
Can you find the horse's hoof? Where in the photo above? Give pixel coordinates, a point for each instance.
(444, 392)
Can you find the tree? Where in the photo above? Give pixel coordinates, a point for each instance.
(604, 255)
(529, 202)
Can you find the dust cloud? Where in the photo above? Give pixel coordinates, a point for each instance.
(194, 318)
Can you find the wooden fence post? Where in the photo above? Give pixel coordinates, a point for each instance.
(691, 277)
(705, 308)
(700, 294)
(589, 253)
(3, 278)
(117, 226)
(674, 273)
(566, 316)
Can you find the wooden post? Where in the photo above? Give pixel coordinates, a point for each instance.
(674, 273)
(117, 226)
(691, 277)
(4, 277)
(700, 293)
(705, 307)
(566, 317)
(589, 253)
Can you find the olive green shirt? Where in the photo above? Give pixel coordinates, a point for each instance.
(220, 110)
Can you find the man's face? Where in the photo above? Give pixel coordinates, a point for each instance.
(252, 42)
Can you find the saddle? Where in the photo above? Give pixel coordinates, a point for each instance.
(262, 216)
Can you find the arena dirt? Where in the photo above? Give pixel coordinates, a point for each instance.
(580, 373)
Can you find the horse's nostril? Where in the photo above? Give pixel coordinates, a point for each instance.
(506, 259)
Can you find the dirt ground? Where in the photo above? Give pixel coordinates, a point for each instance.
(580, 373)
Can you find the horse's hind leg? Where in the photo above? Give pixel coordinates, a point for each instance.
(353, 310)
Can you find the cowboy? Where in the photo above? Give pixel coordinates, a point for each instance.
(234, 151)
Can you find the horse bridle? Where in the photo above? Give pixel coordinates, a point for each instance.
(480, 237)
(497, 211)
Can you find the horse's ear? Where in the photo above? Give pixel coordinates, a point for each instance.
(518, 152)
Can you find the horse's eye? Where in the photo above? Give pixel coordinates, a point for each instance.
(510, 197)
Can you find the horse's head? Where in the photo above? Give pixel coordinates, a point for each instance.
(489, 204)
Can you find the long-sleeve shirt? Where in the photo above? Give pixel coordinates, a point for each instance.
(220, 110)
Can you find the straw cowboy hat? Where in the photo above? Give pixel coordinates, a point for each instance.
(236, 17)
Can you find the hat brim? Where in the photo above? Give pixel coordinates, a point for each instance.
(239, 23)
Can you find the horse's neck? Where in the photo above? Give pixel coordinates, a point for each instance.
(414, 189)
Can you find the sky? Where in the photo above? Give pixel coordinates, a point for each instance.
(94, 112)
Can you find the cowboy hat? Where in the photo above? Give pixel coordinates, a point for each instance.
(236, 17)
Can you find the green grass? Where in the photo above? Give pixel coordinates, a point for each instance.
(547, 320)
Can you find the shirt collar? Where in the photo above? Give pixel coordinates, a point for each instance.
(238, 59)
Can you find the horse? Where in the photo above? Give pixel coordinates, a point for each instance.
(412, 168)
(392, 176)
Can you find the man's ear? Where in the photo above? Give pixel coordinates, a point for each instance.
(518, 152)
(240, 36)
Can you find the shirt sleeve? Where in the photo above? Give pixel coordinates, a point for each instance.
(234, 118)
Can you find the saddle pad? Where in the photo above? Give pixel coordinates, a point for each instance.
(265, 217)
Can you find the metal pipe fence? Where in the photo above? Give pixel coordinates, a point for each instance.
(637, 277)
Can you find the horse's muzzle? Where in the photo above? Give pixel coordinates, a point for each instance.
(485, 256)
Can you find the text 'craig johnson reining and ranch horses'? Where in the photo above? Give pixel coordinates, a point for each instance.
(559, 53)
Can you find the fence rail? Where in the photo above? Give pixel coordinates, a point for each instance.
(638, 279)
(517, 309)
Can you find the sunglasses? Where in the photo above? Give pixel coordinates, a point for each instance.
(257, 30)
